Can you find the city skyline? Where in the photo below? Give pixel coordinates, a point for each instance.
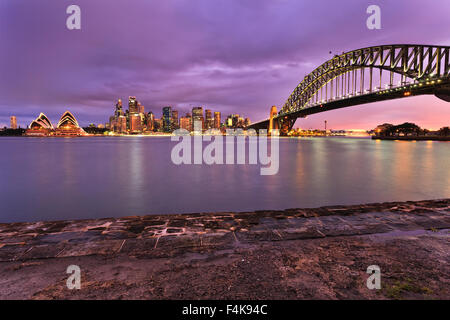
(241, 68)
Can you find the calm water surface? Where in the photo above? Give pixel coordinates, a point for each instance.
(57, 178)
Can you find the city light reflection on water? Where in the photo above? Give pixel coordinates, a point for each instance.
(55, 179)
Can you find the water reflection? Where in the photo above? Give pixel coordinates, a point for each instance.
(55, 179)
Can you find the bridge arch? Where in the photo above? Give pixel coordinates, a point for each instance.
(342, 82)
(343, 76)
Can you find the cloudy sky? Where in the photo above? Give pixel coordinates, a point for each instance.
(234, 56)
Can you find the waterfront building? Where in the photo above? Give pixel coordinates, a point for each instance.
(229, 121)
(186, 122)
(119, 109)
(121, 125)
(247, 122)
(158, 125)
(150, 121)
(132, 105)
(197, 116)
(216, 120)
(167, 119)
(13, 122)
(141, 108)
(68, 126)
(175, 121)
(41, 126)
(209, 121)
(135, 123)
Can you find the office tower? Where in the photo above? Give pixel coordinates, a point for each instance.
(186, 122)
(175, 122)
(112, 122)
(216, 120)
(13, 122)
(132, 105)
(197, 116)
(121, 124)
(150, 121)
(135, 123)
(158, 124)
(127, 117)
(140, 108)
(209, 121)
(229, 121)
(167, 119)
(141, 111)
(119, 109)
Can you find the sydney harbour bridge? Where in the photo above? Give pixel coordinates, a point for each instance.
(363, 76)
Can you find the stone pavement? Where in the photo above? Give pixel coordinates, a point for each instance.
(35, 246)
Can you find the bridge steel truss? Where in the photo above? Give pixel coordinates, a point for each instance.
(368, 75)
(344, 75)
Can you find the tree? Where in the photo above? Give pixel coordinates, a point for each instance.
(445, 131)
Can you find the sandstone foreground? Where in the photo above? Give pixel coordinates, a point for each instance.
(318, 253)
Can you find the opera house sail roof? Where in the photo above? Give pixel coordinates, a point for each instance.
(41, 122)
(68, 126)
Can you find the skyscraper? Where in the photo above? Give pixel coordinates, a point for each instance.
(140, 108)
(167, 119)
(135, 123)
(119, 109)
(150, 121)
(186, 122)
(132, 105)
(13, 122)
(216, 120)
(175, 122)
(209, 121)
(197, 116)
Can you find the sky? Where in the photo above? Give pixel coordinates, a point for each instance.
(233, 56)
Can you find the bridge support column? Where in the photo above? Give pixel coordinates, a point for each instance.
(273, 123)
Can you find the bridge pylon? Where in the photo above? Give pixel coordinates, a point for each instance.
(273, 123)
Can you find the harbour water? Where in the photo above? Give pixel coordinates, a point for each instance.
(79, 178)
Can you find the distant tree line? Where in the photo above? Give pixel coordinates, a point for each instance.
(408, 129)
(12, 132)
(95, 130)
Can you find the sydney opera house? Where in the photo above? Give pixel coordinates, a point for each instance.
(67, 127)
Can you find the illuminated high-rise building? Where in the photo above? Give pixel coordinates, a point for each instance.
(216, 120)
(133, 105)
(121, 124)
(158, 124)
(135, 123)
(197, 116)
(13, 122)
(167, 119)
(119, 109)
(150, 121)
(175, 121)
(209, 121)
(140, 108)
(186, 122)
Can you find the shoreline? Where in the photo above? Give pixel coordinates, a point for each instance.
(411, 138)
(309, 253)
